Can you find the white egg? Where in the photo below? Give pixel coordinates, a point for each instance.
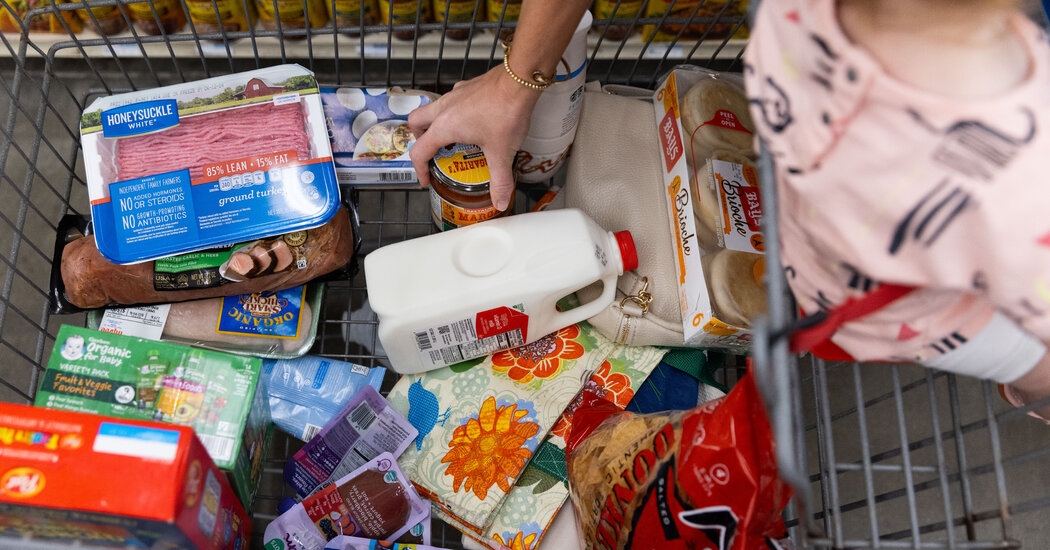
(351, 98)
(375, 91)
(363, 122)
(403, 104)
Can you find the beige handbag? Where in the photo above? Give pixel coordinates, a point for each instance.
(614, 176)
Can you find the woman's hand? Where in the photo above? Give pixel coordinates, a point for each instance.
(491, 111)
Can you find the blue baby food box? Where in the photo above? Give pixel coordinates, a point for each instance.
(369, 131)
(208, 163)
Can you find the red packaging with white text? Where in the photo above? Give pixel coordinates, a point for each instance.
(703, 478)
(72, 478)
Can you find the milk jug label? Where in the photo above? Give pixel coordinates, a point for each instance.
(483, 334)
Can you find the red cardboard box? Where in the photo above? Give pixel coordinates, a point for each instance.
(108, 482)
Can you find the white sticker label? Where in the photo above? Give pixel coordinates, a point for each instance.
(128, 440)
(372, 51)
(213, 48)
(220, 449)
(658, 51)
(286, 98)
(458, 341)
(392, 175)
(740, 206)
(310, 431)
(140, 322)
(126, 50)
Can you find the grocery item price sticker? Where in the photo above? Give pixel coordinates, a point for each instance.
(142, 322)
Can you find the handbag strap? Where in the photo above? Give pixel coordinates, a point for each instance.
(817, 329)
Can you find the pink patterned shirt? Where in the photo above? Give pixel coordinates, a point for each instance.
(882, 182)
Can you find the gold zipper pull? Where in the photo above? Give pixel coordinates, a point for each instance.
(642, 299)
(638, 304)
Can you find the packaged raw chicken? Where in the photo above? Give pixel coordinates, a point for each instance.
(278, 324)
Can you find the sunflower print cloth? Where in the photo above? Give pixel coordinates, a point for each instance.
(480, 423)
(542, 488)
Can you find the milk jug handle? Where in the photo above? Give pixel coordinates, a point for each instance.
(592, 308)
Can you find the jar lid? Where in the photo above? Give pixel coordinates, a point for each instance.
(461, 166)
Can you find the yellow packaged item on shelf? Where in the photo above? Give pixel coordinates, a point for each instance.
(353, 13)
(404, 12)
(608, 9)
(510, 12)
(293, 14)
(458, 11)
(10, 21)
(107, 20)
(168, 20)
(725, 14)
(228, 15)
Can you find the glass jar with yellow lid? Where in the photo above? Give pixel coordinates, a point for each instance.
(459, 187)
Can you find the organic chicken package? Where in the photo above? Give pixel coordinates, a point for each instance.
(702, 478)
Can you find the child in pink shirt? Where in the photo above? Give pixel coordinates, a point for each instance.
(912, 140)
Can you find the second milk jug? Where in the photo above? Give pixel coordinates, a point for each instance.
(473, 291)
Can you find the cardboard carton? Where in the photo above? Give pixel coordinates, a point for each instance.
(74, 478)
(218, 394)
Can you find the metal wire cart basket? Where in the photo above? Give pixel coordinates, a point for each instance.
(881, 456)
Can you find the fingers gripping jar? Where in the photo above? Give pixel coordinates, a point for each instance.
(459, 188)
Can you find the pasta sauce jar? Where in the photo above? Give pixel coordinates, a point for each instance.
(459, 187)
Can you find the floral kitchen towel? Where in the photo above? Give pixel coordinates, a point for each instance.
(541, 488)
(480, 422)
(522, 518)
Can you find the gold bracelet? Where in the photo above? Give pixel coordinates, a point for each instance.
(540, 81)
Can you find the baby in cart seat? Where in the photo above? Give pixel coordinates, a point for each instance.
(912, 140)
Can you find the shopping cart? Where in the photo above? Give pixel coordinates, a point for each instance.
(894, 455)
(947, 476)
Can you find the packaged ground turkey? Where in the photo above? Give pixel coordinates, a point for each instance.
(207, 163)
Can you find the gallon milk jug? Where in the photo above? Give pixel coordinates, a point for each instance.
(472, 291)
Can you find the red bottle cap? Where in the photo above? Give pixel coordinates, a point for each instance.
(627, 251)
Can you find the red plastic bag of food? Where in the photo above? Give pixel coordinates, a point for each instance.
(703, 478)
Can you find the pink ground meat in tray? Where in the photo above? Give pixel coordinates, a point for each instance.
(215, 137)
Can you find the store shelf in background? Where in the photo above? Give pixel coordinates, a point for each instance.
(321, 45)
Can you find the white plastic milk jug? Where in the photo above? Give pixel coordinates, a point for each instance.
(472, 291)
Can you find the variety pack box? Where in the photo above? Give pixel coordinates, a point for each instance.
(712, 194)
(71, 478)
(218, 394)
(730, 15)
